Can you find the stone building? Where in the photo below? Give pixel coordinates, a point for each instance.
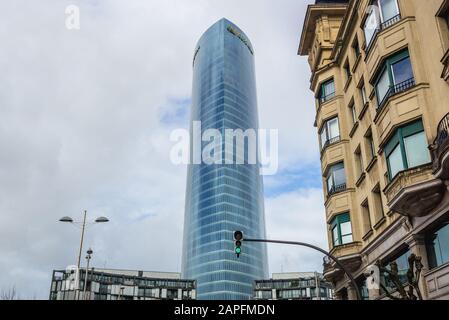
(381, 81)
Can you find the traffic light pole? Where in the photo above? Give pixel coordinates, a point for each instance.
(335, 259)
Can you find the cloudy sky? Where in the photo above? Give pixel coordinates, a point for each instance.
(85, 120)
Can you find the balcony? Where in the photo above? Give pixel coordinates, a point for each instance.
(396, 89)
(385, 25)
(414, 192)
(348, 255)
(440, 150)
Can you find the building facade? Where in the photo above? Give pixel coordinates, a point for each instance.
(380, 77)
(108, 284)
(293, 286)
(222, 198)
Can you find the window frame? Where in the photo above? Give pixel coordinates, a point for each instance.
(387, 66)
(336, 223)
(325, 128)
(397, 139)
(382, 18)
(323, 96)
(330, 174)
(353, 111)
(436, 259)
(365, 99)
(356, 47)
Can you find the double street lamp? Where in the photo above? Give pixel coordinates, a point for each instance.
(83, 224)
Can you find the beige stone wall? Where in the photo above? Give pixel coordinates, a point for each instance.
(427, 38)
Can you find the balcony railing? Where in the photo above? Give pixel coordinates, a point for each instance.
(390, 22)
(441, 144)
(393, 90)
(384, 25)
(326, 98)
(330, 141)
(337, 189)
(443, 130)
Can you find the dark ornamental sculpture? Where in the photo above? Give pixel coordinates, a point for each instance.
(406, 291)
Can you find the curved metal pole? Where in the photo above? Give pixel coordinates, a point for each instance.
(354, 283)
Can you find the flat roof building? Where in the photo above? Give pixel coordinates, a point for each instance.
(110, 284)
(293, 286)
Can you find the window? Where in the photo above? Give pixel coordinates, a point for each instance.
(367, 226)
(347, 69)
(361, 282)
(407, 149)
(371, 146)
(402, 262)
(371, 27)
(341, 230)
(356, 47)
(395, 77)
(438, 248)
(330, 133)
(327, 91)
(388, 9)
(353, 113)
(378, 204)
(383, 14)
(363, 94)
(336, 179)
(358, 162)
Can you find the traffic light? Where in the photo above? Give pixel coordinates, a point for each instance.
(238, 237)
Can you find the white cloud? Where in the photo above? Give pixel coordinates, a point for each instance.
(80, 126)
(296, 216)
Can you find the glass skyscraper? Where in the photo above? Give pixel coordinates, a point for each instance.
(222, 198)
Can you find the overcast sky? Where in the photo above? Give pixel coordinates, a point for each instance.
(85, 120)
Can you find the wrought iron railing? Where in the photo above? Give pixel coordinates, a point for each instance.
(326, 98)
(337, 189)
(395, 89)
(390, 22)
(384, 25)
(330, 142)
(441, 144)
(443, 130)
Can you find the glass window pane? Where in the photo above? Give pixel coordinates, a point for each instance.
(339, 176)
(395, 161)
(354, 114)
(389, 9)
(402, 71)
(442, 246)
(346, 228)
(335, 236)
(330, 183)
(346, 239)
(383, 86)
(323, 137)
(371, 25)
(416, 150)
(329, 88)
(364, 98)
(334, 130)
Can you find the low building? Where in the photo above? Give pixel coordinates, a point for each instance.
(293, 286)
(109, 284)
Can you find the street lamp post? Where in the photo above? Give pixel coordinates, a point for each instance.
(83, 224)
(88, 257)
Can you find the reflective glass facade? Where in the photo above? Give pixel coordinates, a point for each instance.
(223, 198)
